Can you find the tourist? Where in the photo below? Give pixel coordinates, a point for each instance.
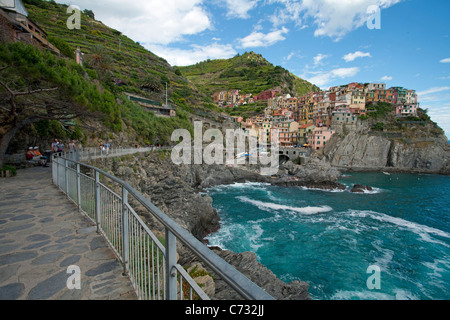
(60, 146)
(43, 161)
(72, 147)
(30, 154)
(55, 146)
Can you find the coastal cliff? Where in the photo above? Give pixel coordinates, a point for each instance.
(407, 147)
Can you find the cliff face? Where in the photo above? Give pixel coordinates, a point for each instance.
(412, 150)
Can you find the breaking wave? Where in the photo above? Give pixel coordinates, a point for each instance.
(268, 206)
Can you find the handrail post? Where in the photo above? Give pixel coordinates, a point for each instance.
(79, 186)
(66, 177)
(171, 261)
(125, 242)
(56, 170)
(97, 199)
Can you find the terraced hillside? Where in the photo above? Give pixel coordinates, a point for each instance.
(250, 73)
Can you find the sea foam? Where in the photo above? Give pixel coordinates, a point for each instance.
(423, 231)
(269, 206)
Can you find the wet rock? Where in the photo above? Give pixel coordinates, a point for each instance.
(358, 188)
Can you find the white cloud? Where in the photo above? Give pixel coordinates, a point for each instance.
(355, 55)
(322, 79)
(332, 18)
(186, 57)
(240, 8)
(154, 22)
(386, 78)
(259, 39)
(433, 90)
(318, 59)
(447, 60)
(290, 56)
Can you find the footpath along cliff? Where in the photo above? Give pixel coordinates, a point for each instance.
(179, 192)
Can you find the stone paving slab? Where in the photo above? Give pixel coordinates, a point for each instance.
(42, 233)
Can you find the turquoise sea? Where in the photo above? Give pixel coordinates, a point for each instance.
(330, 239)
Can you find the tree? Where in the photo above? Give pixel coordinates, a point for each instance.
(20, 109)
(89, 13)
(99, 60)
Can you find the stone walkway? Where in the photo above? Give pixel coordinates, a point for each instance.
(41, 235)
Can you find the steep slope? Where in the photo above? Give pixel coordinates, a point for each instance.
(250, 73)
(128, 64)
(113, 65)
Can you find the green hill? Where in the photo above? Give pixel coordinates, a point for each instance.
(129, 63)
(114, 64)
(250, 73)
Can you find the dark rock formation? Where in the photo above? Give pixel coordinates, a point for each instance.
(357, 188)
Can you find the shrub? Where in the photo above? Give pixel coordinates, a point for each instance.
(12, 170)
(379, 126)
(62, 46)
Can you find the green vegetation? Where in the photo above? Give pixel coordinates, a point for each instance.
(34, 69)
(249, 72)
(114, 64)
(5, 168)
(379, 126)
(247, 111)
(380, 110)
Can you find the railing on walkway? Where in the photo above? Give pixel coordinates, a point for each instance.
(97, 153)
(151, 266)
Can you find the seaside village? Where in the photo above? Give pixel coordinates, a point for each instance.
(311, 120)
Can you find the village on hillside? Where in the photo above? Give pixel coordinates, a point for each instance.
(312, 119)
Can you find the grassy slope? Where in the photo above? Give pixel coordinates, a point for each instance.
(132, 64)
(249, 72)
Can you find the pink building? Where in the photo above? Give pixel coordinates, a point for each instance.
(407, 110)
(319, 137)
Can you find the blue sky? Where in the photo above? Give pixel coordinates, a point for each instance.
(326, 42)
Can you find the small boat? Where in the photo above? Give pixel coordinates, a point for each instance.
(387, 173)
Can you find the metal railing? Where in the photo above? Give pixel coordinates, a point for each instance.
(97, 153)
(151, 265)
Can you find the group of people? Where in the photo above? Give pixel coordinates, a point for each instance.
(58, 146)
(34, 154)
(104, 148)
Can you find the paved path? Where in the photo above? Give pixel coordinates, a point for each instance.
(41, 235)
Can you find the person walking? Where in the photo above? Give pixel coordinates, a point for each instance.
(55, 146)
(73, 152)
(72, 147)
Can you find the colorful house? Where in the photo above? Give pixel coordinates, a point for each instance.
(407, 110)
(319, 137)
(303, 132)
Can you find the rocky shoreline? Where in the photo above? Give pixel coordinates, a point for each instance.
(179, 191)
